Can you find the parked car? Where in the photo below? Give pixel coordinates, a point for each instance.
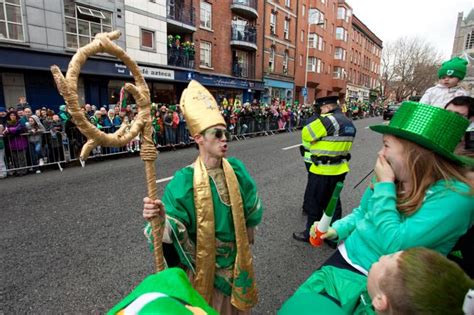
(389, 111)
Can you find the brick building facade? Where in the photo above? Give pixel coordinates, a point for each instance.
(364, 63)
(279, 49)
(325, 48)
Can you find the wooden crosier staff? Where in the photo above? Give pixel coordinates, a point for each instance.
(68, 89)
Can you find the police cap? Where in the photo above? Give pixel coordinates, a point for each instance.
(326, 100)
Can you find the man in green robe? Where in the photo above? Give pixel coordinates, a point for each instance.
(211, 209)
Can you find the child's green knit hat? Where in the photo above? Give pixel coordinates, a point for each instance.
(455, 67)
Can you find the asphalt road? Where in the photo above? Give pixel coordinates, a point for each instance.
(72, 242)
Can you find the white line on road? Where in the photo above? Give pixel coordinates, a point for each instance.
(292, 147)
(164, 179)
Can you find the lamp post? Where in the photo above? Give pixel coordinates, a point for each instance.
(319, 22)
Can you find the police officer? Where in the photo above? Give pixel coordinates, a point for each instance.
(330, 138)
(305, 145)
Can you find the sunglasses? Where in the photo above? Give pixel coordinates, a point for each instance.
(218, 133)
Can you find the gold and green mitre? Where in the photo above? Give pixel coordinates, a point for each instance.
(199, 108)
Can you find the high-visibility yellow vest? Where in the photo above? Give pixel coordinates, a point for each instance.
(307, 153)
(330, 136)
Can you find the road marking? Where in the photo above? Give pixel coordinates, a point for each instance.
(164, 179)
(292, 147)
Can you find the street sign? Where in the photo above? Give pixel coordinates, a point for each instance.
(304, 91)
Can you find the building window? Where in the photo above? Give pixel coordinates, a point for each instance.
(11, 25)
(315, 41)
(301, 60)
(341, 34)
(206, 15)
(147, 39)
(288, 3)
(242, 66)
(341, 13)
(285, 62)
(206, 54)
(302, 36)
(273, 22)
(303, 10)
(340, 53)
(469, 40)
(271, 60)
(315, 16)
(311, 65)
(319, 65)
(83, 23)
(338, 73)
(286, 29)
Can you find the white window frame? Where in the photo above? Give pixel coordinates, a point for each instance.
(288, 3)
(273, 23)
(302, 36)
(312, 40)
(341, 36)
(286, 29)
(340, 53)
(90, 12)
(318, 65)
(303, 10)
(205, 15)
(74, 21)
(338, 72)
(205, 54)
(341, 13)
(243, 60)
(6, 22)
(142, 47)
(286, 61)
(271, 59)
(311, 65)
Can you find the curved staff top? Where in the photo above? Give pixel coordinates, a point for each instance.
(67, 87)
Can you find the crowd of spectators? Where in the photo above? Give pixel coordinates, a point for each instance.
(31, 139)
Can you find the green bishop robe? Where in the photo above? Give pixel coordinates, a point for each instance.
(178, 199)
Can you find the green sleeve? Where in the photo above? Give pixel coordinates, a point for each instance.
(445, 215)
(253, 209)
(178, 199)
(346, 225)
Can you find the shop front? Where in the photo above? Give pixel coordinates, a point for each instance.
(233, 90)
(276, 89)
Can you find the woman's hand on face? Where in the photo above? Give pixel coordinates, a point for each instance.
(383, 170)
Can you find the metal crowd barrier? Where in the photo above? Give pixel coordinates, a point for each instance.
(29, 153)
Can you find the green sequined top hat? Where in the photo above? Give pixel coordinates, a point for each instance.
(433, 128)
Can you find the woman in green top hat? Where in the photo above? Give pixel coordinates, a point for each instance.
(421, 196)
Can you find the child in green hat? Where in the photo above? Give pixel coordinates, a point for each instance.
(450, 74)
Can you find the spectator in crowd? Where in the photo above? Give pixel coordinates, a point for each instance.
(17, 142)
(25, 115)
(56, 128)
(108, 121)
(3, 122)
(96, 120)
(168, 122)
(415, 281)
(418, 180)
(464, 106)
(450, 74)
(89, 110)
(35, 139)
(22, 103)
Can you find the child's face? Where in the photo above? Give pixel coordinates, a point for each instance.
(449, 82)
(386, 264)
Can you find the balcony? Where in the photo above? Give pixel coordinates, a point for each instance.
(244, 37)
(245, 8)
(179, 57)
(180, 18)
